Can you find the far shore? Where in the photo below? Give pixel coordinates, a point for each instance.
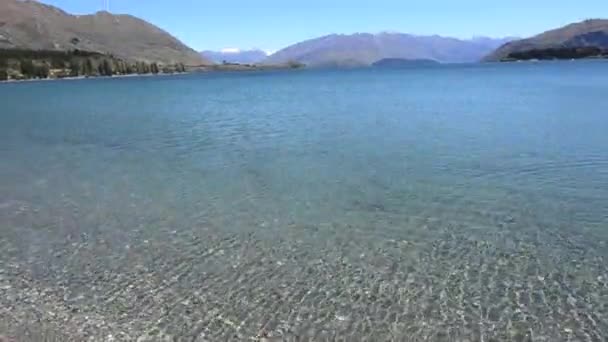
(190, 70)
(245, 67)
(75, 78)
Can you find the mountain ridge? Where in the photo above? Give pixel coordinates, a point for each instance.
(587, 33)
(363, 49)
(33, 25)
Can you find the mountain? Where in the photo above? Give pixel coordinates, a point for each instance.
(235, 56)
(36, 26)
(586, 34)
(362, 49)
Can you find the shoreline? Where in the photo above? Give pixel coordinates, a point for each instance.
(76, 78)
(195, 69)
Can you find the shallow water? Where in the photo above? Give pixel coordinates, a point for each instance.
(464, 203)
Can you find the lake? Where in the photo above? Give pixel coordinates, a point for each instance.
(450, 203)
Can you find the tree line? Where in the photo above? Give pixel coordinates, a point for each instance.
(28, 64)
(559, 53)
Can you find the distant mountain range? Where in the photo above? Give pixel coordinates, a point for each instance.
(235, 56)
(36, 26)
(363, 49)
(562, 41)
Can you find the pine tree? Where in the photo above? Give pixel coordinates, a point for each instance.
(83, 67)
(42, 71)
(106, 68)
(120, 67)
(75, 68)
(154, 68)
(57, 62)
(3, 69)
(27, 68)
(88, 67)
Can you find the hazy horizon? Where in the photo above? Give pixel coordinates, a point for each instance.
(275, 25)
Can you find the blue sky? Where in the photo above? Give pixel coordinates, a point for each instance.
(273, 24)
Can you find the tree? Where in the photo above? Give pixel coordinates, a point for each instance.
(42, 71)
(106, 68)
(27, 68)
(57, 62)
(139, 67)
(75, 68)
(3, 69)
(83, 67)
(88, 67)
(119, 67)
(129, 69)
(154, 68)
(116, 66)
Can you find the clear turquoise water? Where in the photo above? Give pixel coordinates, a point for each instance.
(443, 203)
